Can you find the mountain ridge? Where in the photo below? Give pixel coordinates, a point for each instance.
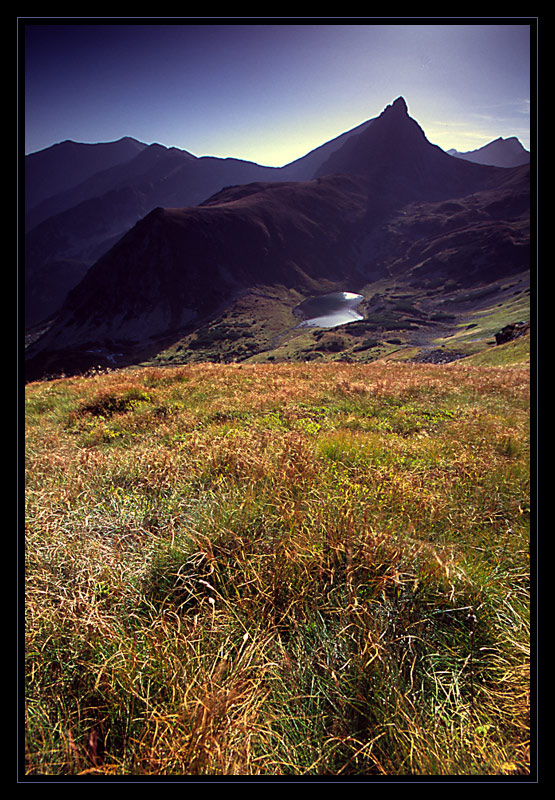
(64, 164)
(501, 152)
(69, 230)
(178, 267)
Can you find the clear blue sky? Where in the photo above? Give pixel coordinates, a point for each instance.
(271, 92)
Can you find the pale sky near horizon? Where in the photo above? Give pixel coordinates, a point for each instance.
(270, 91)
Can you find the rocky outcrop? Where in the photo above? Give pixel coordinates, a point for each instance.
(438, 356)
(511, 332)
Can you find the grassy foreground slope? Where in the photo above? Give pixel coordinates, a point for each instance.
(289, 569)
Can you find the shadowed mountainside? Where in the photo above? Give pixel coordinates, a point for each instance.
(72, 227)
(180, 265)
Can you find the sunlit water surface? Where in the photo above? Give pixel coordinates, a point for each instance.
(330, 310)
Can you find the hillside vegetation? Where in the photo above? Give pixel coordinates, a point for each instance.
(278, 569)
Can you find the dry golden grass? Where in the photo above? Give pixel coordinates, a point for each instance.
(278, 570)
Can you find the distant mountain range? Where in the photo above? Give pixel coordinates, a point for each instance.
(81, 198)
(136, 244)
(499, 153)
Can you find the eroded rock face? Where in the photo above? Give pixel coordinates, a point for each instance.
(512, 331)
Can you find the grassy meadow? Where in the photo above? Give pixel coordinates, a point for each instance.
(290, 569)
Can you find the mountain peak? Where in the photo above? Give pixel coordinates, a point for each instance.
(391, 138)
(397, 109)
(399, 162)
(399, 105)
